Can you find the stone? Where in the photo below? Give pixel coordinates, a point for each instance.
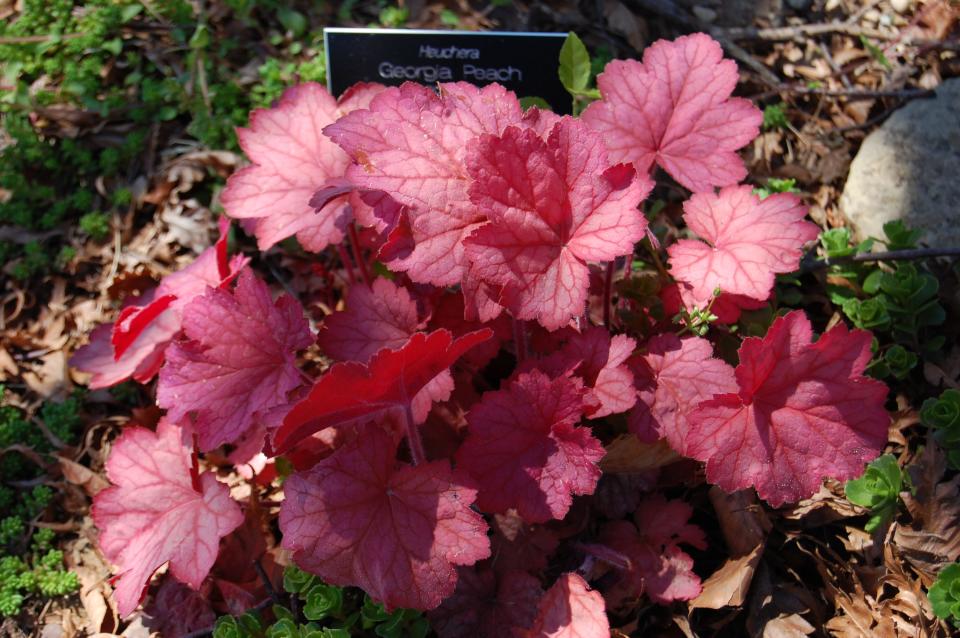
(908, 169)
(900, 6)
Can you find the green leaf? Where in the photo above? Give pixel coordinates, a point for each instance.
(284, 628)
(200, 38)
(900, 361)
(296, 580)
(876, 53)
(879, 489)
(282, 613)
(943, 593)
(836, 242)
(942, 413)
(114, 46)
(130, 12)
(574, 65)
(227, 627)
(450, 18)
(323, 600)
(293, 21)
(775, 116)
(900, 236)
(531, 101)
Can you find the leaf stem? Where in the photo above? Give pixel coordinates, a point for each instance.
(357, 255)
(809, 265)
(417, 455)
(519, 339)
(607, 294)
(347, 265)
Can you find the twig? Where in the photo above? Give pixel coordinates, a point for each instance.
(851, 95)
(809, 265)
(670, 11)
(262, 573)
(856, 94)
(208, 631)
(35, 39)
(789, 33)
(825, 51)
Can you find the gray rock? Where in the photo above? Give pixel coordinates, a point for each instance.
(909, 169)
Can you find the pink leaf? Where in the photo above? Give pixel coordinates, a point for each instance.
(411, 143)
(397, 531)
(211, 269)
(599, 360)
(140, 360)
(159, 511)
(164, 308)
(133, 320)
(291, 160)
(553, 205)
(238, 360)
(352, 392)
(673, 377)
(803, 412)
(488, 605)
(570, 609)
(383, 316)
(750, 242)
(524, 451)
(658, 567)
(675, 109)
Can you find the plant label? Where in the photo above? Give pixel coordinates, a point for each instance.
(525, 63)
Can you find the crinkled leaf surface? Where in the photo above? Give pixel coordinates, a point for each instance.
(488, 605)
(411, 143)
(600, 360)
(570, 609)
(291, 158)
(397, 531)
(675, 109)
(804, 411)
(140, 360)
(351, 392)
(237, 361)
(382, 316)
(524, 450)
(553, 205)
(750, 242)
(658, 567)
(150, 321)
(672, 378)
(158, 510)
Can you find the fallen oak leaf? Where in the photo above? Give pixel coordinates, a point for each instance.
(730, 584)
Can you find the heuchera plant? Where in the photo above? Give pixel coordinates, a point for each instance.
(472, 386)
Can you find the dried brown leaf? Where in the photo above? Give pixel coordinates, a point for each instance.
(729, 585)
(627, 454)
(82, 476)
